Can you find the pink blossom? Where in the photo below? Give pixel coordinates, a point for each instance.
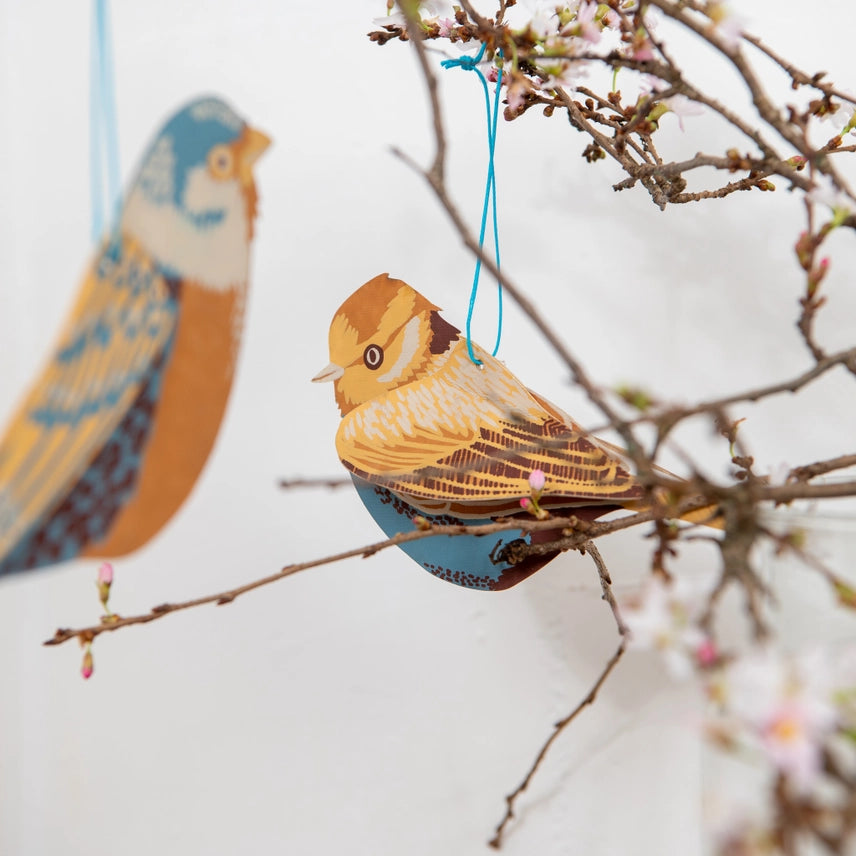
(665, 619)
(727, 24)
(427, 11)
(642, 49)
(564, 73)
(789, 739)
(537, 480)
(434, 8)
(542, 21)
(526, 503)
(678, 104)
(682, 106)
(826, 193)
(584, 23)
(105, 574)
(589, 30)
(707, 653)
(103, 583)
(446, 25)
(611, 19)
(784, 704)
(838, 114)
(516, 95)
(650, 83)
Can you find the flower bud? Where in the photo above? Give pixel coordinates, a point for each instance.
(537, 480)
(105, 573)
(103, 583)
(88, 666)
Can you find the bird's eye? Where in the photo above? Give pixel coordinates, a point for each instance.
(373, 356)
(220, 161)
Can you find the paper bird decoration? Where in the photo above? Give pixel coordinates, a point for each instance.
(113, 434)
(426, 431)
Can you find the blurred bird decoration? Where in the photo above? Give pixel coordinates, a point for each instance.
(115, 431)
(426, 431)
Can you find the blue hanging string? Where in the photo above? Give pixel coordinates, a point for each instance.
(103, 136)
(470, 63)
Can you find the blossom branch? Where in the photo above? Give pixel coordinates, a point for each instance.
(579, 535)
(585, 531)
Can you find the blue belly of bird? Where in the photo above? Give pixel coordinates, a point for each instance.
(472, 561)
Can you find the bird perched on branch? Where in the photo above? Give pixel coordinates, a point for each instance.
(427, 432)
(112, 435)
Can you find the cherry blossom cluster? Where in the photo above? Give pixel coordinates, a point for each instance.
(793, 714)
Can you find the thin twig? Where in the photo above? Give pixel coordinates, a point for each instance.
(579, 534)
(586, 532)
(819, 468)
(606, 584)
(673, 415)
(558, 728)
(797, 76)
(332, 482)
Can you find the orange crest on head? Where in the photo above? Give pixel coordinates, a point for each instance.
(380, 303)
(381, 338)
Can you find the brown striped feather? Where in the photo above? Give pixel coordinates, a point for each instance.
(467, 438)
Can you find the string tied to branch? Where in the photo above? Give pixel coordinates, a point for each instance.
(470, 63)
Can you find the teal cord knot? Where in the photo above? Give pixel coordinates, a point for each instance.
(470, 63)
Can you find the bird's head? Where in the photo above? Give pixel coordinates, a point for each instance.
(386, 334)
(194, 199)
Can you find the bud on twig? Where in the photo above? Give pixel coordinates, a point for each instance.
(88, 666)
(103, 583)
(537, 481)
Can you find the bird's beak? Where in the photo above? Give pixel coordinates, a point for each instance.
(331, 372)
(251, 145)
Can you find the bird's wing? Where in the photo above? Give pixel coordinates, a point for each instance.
(120, 326)
(445, 441)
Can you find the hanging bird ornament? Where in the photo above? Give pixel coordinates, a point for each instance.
(428, 432)
(113, 434)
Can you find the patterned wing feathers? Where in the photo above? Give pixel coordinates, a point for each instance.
(122, 321)
(496, 465)
(461, 439)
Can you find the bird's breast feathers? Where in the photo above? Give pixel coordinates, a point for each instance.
(212, 251)
(410, 426)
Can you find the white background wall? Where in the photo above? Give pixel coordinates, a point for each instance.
(366, 707)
